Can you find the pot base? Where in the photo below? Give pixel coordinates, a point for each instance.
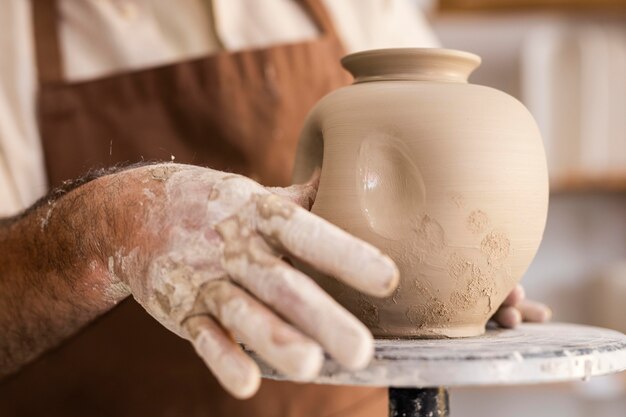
(445, 332)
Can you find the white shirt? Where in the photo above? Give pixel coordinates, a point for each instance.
(102, 37)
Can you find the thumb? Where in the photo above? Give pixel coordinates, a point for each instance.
(301, 194)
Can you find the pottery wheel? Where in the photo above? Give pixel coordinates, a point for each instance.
(531, 353)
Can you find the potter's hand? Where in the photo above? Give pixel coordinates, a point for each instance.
(516, 309)
(202, 254)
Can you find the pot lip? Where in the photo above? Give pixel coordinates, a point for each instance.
(430, 52)
(428, 64)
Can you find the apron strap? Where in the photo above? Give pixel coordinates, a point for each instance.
(47, 48)
(314, 8)
(320, 16)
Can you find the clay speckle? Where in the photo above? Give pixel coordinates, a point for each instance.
(430, 236)
(457, 199)
(271, 205)
(424, 314)
(459, 266)
(431, 309)
(164, 302)
(45, 219)
(111, 266)
(472, 283)
(424, 286)
(477, 221)
(149, 194)
(396, 294)
(163, 172)
(214, 194)
(495, 246)
(239, 242)
(369, 313)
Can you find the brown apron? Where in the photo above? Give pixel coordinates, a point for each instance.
(232, 111)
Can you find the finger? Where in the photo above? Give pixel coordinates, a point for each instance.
(508, 317)
(326, 247)
(534, 312)
(296, 297)
(282, 346)
(301, 194)
(235, 370)
(514, 297)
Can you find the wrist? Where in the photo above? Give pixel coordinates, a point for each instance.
(131, 226)
(65, 240)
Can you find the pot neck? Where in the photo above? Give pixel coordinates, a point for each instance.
(411, 64)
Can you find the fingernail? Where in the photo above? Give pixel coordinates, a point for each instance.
(362, 355)
(391, 270)
(311, 365)
(359, 347)
(304, 361)
(246, 388)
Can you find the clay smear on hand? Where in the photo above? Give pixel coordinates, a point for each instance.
(219, 275)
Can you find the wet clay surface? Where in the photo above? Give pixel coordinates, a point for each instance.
(446, 177)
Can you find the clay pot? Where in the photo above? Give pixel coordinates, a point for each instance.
(447, 178)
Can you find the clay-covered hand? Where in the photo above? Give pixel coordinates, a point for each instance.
(203, 255)
(516, 309)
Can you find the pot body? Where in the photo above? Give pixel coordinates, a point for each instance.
(447, 178)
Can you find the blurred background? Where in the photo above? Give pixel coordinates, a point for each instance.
(566, 61)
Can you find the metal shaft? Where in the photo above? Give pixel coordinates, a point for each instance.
(418, 402)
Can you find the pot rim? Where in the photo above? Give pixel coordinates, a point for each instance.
(418, 64)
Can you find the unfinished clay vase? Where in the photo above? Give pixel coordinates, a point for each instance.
(446, 177)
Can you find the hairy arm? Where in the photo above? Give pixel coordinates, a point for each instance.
(53, 270)
(201, 251)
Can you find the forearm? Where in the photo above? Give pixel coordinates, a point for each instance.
(53, 275)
